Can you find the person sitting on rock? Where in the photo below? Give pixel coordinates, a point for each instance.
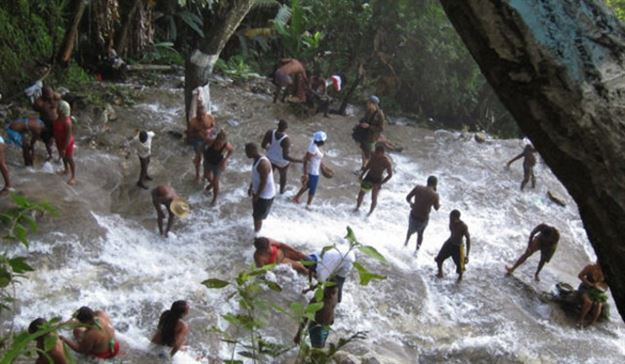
(51, 355)
(270, 251)
(96, 337)
(544, 238)
(529, 161)
(172, 331)
(592, 292)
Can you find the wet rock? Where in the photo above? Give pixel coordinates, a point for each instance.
(343, 357)
(556, 199)
(480, 137)
(175, 134)
(559, 67)
(370, 359)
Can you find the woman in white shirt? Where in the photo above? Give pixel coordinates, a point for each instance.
(312, 167)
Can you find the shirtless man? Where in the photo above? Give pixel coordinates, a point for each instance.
(592, 291)
(290, 73)
(165, 195)
(199, 132)
(318, 330)
(529, 161)
(96, 337)
(371, 177)
(47, 105)
(544, 238)
(453, 246)
(3, 167)
(24, 133)
(425, 197)
(277, 144)
(373, 121)
(172, 330)
(55, 354)
(269, 251)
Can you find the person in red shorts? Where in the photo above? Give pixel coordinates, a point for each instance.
(64, 138)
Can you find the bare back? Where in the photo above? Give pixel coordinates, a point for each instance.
(458, 230)
(424, 199)
(98, 337)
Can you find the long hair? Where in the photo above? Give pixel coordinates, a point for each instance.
(168, 321)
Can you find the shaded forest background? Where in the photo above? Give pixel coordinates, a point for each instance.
(405, 51)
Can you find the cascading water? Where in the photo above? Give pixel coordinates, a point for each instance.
(105, 251)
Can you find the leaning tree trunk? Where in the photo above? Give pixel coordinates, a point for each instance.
(67, 47)
(200, 64)
(558, 67)
(121, 43)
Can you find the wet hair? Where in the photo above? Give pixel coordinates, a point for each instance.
(169, 319)
(282, 125)
(221, 135)
(379, 147)
(261, 243)
(432, 181)
(85, 315)
(251, 148)
(319, 142)
(454, 214)
(35, 325)
(143, 136)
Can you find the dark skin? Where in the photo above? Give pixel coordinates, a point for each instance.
(421, 204)
(264, 168)
(68, 161)
(529, 161)
(297, 72)
(535, 243)
(4, 169)
(375, 124)
(213, 180)
(304, 188)
(375, 168)
(47, 107)
(182, 331)
(56, 355)
(325, 316)
(163, 195)
(285, 144)
(592, 276)
(458, 230)
(93, 339)
(285, 255)
(31, 130)
(199, 128)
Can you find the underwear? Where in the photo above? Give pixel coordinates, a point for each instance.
(112, 352)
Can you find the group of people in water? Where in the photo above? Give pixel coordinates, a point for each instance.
(95, 335)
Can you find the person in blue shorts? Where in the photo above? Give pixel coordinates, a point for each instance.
(319, 328)
(312, 167)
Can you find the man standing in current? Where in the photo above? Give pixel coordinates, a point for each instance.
(262, 189)
(277, 144)
(453, 246)
(421, 200)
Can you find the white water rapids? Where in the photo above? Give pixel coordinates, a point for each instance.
(105, 251)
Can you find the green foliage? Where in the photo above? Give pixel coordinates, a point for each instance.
(236, 67)
(247, 324)
(162, 53)
(28, 32)
(618, 6)
(21, 343)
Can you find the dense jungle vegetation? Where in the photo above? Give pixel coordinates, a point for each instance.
(405, 51)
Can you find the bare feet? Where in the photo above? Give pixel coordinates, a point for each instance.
(536, 278)
(140, 184)
(295, 199)
(5, 189)
(72, 181)
(439, 275)
(148, 178)
(509, 271)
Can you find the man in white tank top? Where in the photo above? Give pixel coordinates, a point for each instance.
(277, 144)
(312, 167)
(3, 167)
(262, 189)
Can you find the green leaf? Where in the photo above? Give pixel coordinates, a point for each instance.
(5, 278)
(19, 265)
(314, 307)
(20, 234)
(365, 275)
(319, 294)
(233, 361)
(215, 283)
(20, 200)
(49, 342)
(372, 252)
(273, 286)
(297, 309)
(351, 237)
(31, 223)
(193, 21)
(247, 354)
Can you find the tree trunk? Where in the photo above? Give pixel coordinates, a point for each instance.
(67, 47)
(558, 66)
(121, 43)
(199, 64)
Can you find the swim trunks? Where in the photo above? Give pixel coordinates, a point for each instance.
(547, 250)
(368, 183)
(112, 352)
(415, 225)
(456, 252)
(261, 208)
(318, 335)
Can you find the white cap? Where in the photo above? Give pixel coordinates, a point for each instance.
(320, 136)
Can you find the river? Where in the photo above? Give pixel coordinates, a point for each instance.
(105, 251)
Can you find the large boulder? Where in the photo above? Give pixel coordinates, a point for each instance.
(558, 66)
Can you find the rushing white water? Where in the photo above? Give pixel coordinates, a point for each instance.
(105, 251)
